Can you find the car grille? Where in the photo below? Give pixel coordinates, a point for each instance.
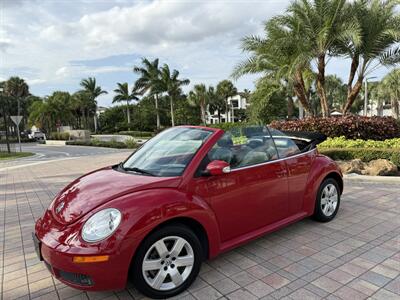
(75, 278)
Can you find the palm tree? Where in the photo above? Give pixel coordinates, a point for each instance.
(226, 89)
(216, 102)
(172, 85)
(379, 30)
(122, 94)
(391, 84)
(149, 81)
(93, 91)
(323, 24)
(17, 90)
(199, 97)
(282, 54)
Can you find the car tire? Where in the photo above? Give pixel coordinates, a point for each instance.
(328, 201)
(148, 253)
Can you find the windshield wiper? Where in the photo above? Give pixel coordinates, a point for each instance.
(138, 170)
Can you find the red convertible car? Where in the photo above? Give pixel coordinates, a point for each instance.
(186, 195)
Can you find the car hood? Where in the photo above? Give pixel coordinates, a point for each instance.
(96, 188)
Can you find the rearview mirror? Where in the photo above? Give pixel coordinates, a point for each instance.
(217, 167)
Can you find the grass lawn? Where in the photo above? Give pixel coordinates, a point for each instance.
(5, 155)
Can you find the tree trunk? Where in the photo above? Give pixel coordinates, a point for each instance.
(321, 86)
(172, 111)
(300, 91)
(219, 116)
(157, 112)
(128, 114)
(6, 129)
(290, 107)
(353, 95)
(203, 114)
(395, 107)
(353, 69)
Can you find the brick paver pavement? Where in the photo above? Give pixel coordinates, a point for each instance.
(356, 256)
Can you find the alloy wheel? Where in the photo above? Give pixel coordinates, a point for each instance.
(168, 263)
(329, 199)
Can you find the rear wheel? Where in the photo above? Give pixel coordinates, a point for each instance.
(328, 201)
(167, 262)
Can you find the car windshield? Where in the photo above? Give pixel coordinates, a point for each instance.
(168, 153)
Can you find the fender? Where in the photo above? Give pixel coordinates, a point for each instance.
(321, 167)
(144, 210)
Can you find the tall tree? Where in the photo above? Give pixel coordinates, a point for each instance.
(149, 81)
(281, 54)
(199, 97)
(17, 90)
(267, 101)
(216, 102)
(94, 91)
(171, 84)
(391, 83)
(122, 93)
(322, 24)
(226, 89)
(335, 92)
(379, 33)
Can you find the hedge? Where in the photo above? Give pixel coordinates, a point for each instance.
(143, 134)
(60, 136)
(351, 127)
(365, 154)
(130, 144)
(342, 142)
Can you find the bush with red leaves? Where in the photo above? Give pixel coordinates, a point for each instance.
(351, 127)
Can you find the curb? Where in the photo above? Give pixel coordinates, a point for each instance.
(384, 179)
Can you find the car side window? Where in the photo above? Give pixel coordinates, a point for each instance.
(242, 147)
(285, 145)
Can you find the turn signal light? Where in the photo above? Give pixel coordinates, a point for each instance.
(90, 259)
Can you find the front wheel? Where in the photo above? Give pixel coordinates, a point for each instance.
(167, 262)
(328, 201)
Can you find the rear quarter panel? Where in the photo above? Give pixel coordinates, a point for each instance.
(321, 167)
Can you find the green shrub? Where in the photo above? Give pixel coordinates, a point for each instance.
(143, 134)
(351, 127)
(365, 154)
(342, 142)
(60, 136)
(130, 144)
(229, 126)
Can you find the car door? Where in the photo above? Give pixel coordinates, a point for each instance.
(298, 166)
(254, 194)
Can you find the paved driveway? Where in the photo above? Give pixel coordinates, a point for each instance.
(354, 257)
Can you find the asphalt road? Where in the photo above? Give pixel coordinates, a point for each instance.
(48, 153)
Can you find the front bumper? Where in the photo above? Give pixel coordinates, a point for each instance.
(98, 276)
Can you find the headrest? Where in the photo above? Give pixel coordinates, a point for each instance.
(254, 143)
(225, 141)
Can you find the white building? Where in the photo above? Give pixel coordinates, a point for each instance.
(234, 103)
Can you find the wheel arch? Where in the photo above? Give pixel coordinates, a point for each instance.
(336, 176)
(191, 223)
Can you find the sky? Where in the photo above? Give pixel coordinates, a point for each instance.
(53, 44)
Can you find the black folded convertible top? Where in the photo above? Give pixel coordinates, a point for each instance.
(306, 135)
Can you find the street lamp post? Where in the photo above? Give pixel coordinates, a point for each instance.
(366, 95)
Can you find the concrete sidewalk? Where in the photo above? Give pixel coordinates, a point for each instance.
(357, 256)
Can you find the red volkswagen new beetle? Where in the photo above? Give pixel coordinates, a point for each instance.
(186, 195)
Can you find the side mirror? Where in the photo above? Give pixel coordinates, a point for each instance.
(217, 167)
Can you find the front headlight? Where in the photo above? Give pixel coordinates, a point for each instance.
(101, 225)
